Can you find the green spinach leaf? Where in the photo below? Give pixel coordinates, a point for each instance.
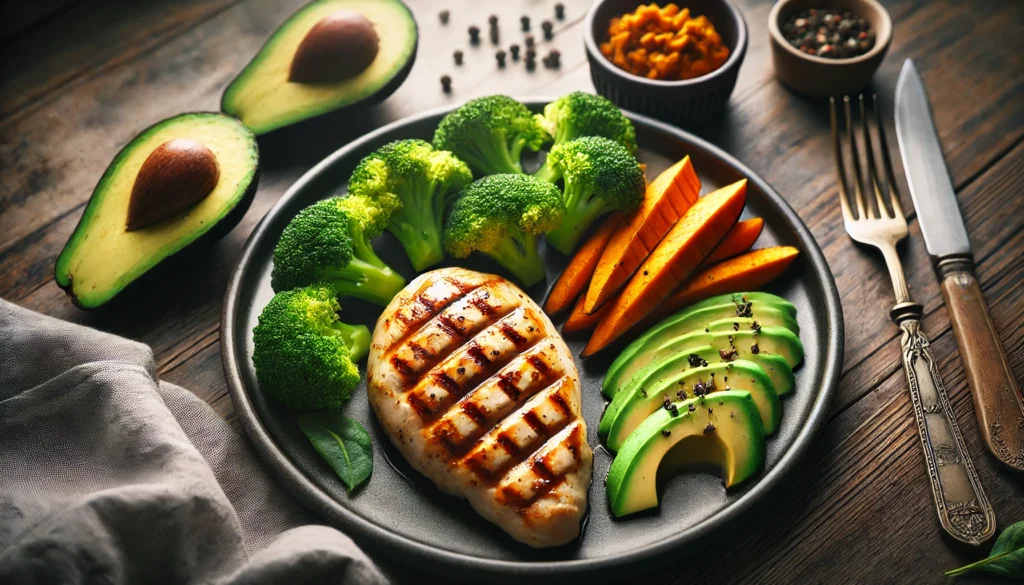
(1006, 558)
(343, 443)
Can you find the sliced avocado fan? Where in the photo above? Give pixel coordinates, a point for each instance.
(183, 180)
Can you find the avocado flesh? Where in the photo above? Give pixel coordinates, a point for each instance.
(636, 356)
(263, 97)
(635, 403)
(101, 258)
(766, 309)
(735, 430)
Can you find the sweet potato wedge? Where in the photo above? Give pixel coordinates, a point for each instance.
(574, 279)
(748, 271)
(667, 198)
(739, 239)
(579, 321)
(691, 240)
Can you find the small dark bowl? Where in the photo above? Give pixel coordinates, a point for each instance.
(685, 102)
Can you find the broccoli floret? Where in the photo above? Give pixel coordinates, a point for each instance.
(304, 356)
(598, 175)
(407, 185)
(325, 244)
(580, 114)
(502, 217)
(489, 133)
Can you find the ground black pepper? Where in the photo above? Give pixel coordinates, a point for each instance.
(696, 361)
(829, 34)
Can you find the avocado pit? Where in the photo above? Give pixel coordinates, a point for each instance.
(341, 45)
(175, 176)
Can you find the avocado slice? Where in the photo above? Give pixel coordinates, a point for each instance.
(184, 179)
(635, 403)
(765, 308)
(724, 430)
(329, 55)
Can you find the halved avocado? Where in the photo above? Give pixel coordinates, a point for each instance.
(724, 429)
(766, 309)
(329, 55)
(186, 179)
(631, 406)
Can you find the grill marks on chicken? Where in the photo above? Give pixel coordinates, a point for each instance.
(480, 394)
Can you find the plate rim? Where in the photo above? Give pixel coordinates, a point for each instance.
(378, 539)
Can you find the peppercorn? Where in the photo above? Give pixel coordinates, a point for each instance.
(514, 50)
(474, 34)
(665, 432)
(531, 54)
(443, 15)
(446, 83)
(709, 429)
(549, 29)
(525, 21)
(829, 35)
(494, 36)
(531, 63)
(500, 56)
(492, 20)
(530, 41)
(560, 11)
(458, 56)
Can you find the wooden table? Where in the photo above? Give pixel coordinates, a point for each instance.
(78, 84)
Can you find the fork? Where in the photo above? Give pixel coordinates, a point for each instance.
(964, 510)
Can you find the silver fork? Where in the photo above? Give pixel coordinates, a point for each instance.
(964, 510)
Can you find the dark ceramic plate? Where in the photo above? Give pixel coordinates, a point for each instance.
(400, 516)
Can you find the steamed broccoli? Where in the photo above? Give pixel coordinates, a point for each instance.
(489, 133)
(325, 243)
(502, 217)
(598, 176)
(304, 356)
(580, 114)
(410, 184)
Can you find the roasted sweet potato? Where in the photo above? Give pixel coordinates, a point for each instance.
(574, 279)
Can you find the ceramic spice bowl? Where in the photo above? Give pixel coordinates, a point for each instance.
(817, 76)
(681, 102)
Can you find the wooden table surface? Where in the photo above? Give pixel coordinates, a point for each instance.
(78, 84)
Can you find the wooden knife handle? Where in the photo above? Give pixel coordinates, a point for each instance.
(998, 403)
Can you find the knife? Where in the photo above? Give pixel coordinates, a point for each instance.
(998, 403)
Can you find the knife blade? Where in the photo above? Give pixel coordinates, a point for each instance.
(998, 402)
(930, 186)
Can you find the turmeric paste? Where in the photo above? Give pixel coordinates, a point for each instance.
(664, 43)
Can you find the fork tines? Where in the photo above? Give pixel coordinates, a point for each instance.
(865, 173)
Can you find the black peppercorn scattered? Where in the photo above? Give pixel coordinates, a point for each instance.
(828, 34)
(492, 20)
(754, 349)
(692, 407)
(458, 56)
(495, 36)
(666, 403)
(525, 22)
(549, 29)
(461, 370)
(474, 34)
(665, 432)
(446, 83)
(500, 57)
(709, 429)
(443, 15)
(673, 410)
(696, 361)
(514, 50)
(560, 11)
(531, 64)
(530, 41)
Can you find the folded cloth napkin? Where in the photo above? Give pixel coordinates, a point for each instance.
(108, 475)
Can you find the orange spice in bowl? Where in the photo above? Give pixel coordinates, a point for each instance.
(664, 43)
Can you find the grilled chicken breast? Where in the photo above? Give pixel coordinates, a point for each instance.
(478, 391)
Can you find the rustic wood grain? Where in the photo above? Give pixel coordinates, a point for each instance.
(860, 511)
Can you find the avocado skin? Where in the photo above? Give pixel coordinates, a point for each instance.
(218, 231)
(304, 121)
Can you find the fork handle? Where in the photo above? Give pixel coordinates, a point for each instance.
(963, 508)
(997, 399)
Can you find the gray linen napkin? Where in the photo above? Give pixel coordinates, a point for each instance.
(109, 476)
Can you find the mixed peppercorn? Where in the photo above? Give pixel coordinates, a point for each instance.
(830, 35)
